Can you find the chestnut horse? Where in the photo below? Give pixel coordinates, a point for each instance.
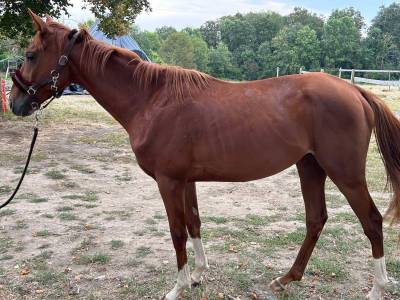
(185, 126)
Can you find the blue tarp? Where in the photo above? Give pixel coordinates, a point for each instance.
(124, 41)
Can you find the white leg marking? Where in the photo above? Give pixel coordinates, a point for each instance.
(380, 279)
(200, 260)
(182, 283)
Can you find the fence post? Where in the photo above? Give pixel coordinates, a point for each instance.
(3, 96)
(352, 76)
(390, 78)
(340, 72)
(301, 70)
(277, 71)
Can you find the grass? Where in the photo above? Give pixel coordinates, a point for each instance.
(97, 258)
(87, 197)
(55, 174)
(83, 169)
(7, 212)
(116, 244)
(215, 219)
(36, 199)
(67, 216)
(150, 221)
(42, 233)
(143, 251)
(328, 268)
(64, 208)
(5, 189)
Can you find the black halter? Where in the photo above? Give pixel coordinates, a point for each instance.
(31, 88)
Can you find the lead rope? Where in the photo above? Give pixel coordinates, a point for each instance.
(34, 137)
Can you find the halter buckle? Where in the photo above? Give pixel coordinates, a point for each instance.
(31, 91)
(63, 60)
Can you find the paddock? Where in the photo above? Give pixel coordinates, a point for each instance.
(89, 224)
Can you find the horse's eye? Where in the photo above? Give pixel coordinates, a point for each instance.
(29, 56)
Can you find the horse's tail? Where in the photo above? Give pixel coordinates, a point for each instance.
(387, 133)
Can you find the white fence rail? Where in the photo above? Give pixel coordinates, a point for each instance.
(377, 82)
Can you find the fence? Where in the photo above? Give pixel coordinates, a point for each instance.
(354, 79)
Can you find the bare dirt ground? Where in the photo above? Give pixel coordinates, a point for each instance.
(89, 224)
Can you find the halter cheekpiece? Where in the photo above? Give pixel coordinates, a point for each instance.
(31, 88)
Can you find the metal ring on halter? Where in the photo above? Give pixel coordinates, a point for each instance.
(54, 74)
(63, 60)
(31, 91)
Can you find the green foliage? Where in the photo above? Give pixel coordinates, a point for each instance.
(201, 54)
(388, 21)
(237, 31)
(294, 47)
(221, 63)
(115, 17)
(301, 16)
(341, 42)
(354, 14)
(15, 22)
(211, 33)
(164, 32)
(178, 50)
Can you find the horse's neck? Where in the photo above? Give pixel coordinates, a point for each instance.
(114, 89)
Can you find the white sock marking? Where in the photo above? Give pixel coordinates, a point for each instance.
(182, 283)
(380, 279)
(200, 260)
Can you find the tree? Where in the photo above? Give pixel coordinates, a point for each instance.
(164, 32)
(200, 50)
(237, 31)
(22, 30)
(341, 42)
(211, 33)
(246, 59)
(178, 49)
(221, 63)
(115, 16)
(266, 25)
(388, 21)
(292, 48)
(87, 24)
(301, 16)
(307, 48)
(382, 51)
(354, 14)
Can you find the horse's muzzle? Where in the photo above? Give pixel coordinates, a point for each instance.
(22, 106)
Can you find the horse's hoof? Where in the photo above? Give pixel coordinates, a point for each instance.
(276, 286)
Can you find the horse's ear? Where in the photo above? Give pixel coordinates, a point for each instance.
(40, 25)
(49, 19)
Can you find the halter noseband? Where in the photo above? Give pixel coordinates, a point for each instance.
(31, 88)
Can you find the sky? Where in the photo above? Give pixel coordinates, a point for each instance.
(193, 13)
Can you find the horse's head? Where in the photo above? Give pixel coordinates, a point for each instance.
(44, 72)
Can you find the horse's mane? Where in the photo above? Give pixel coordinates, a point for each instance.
(178, 81)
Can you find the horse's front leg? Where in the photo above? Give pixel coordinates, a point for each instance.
(173, 194)
(193, 224)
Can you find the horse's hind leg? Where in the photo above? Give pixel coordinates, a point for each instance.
(193, 224)
(356, 191)
(312, 178)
